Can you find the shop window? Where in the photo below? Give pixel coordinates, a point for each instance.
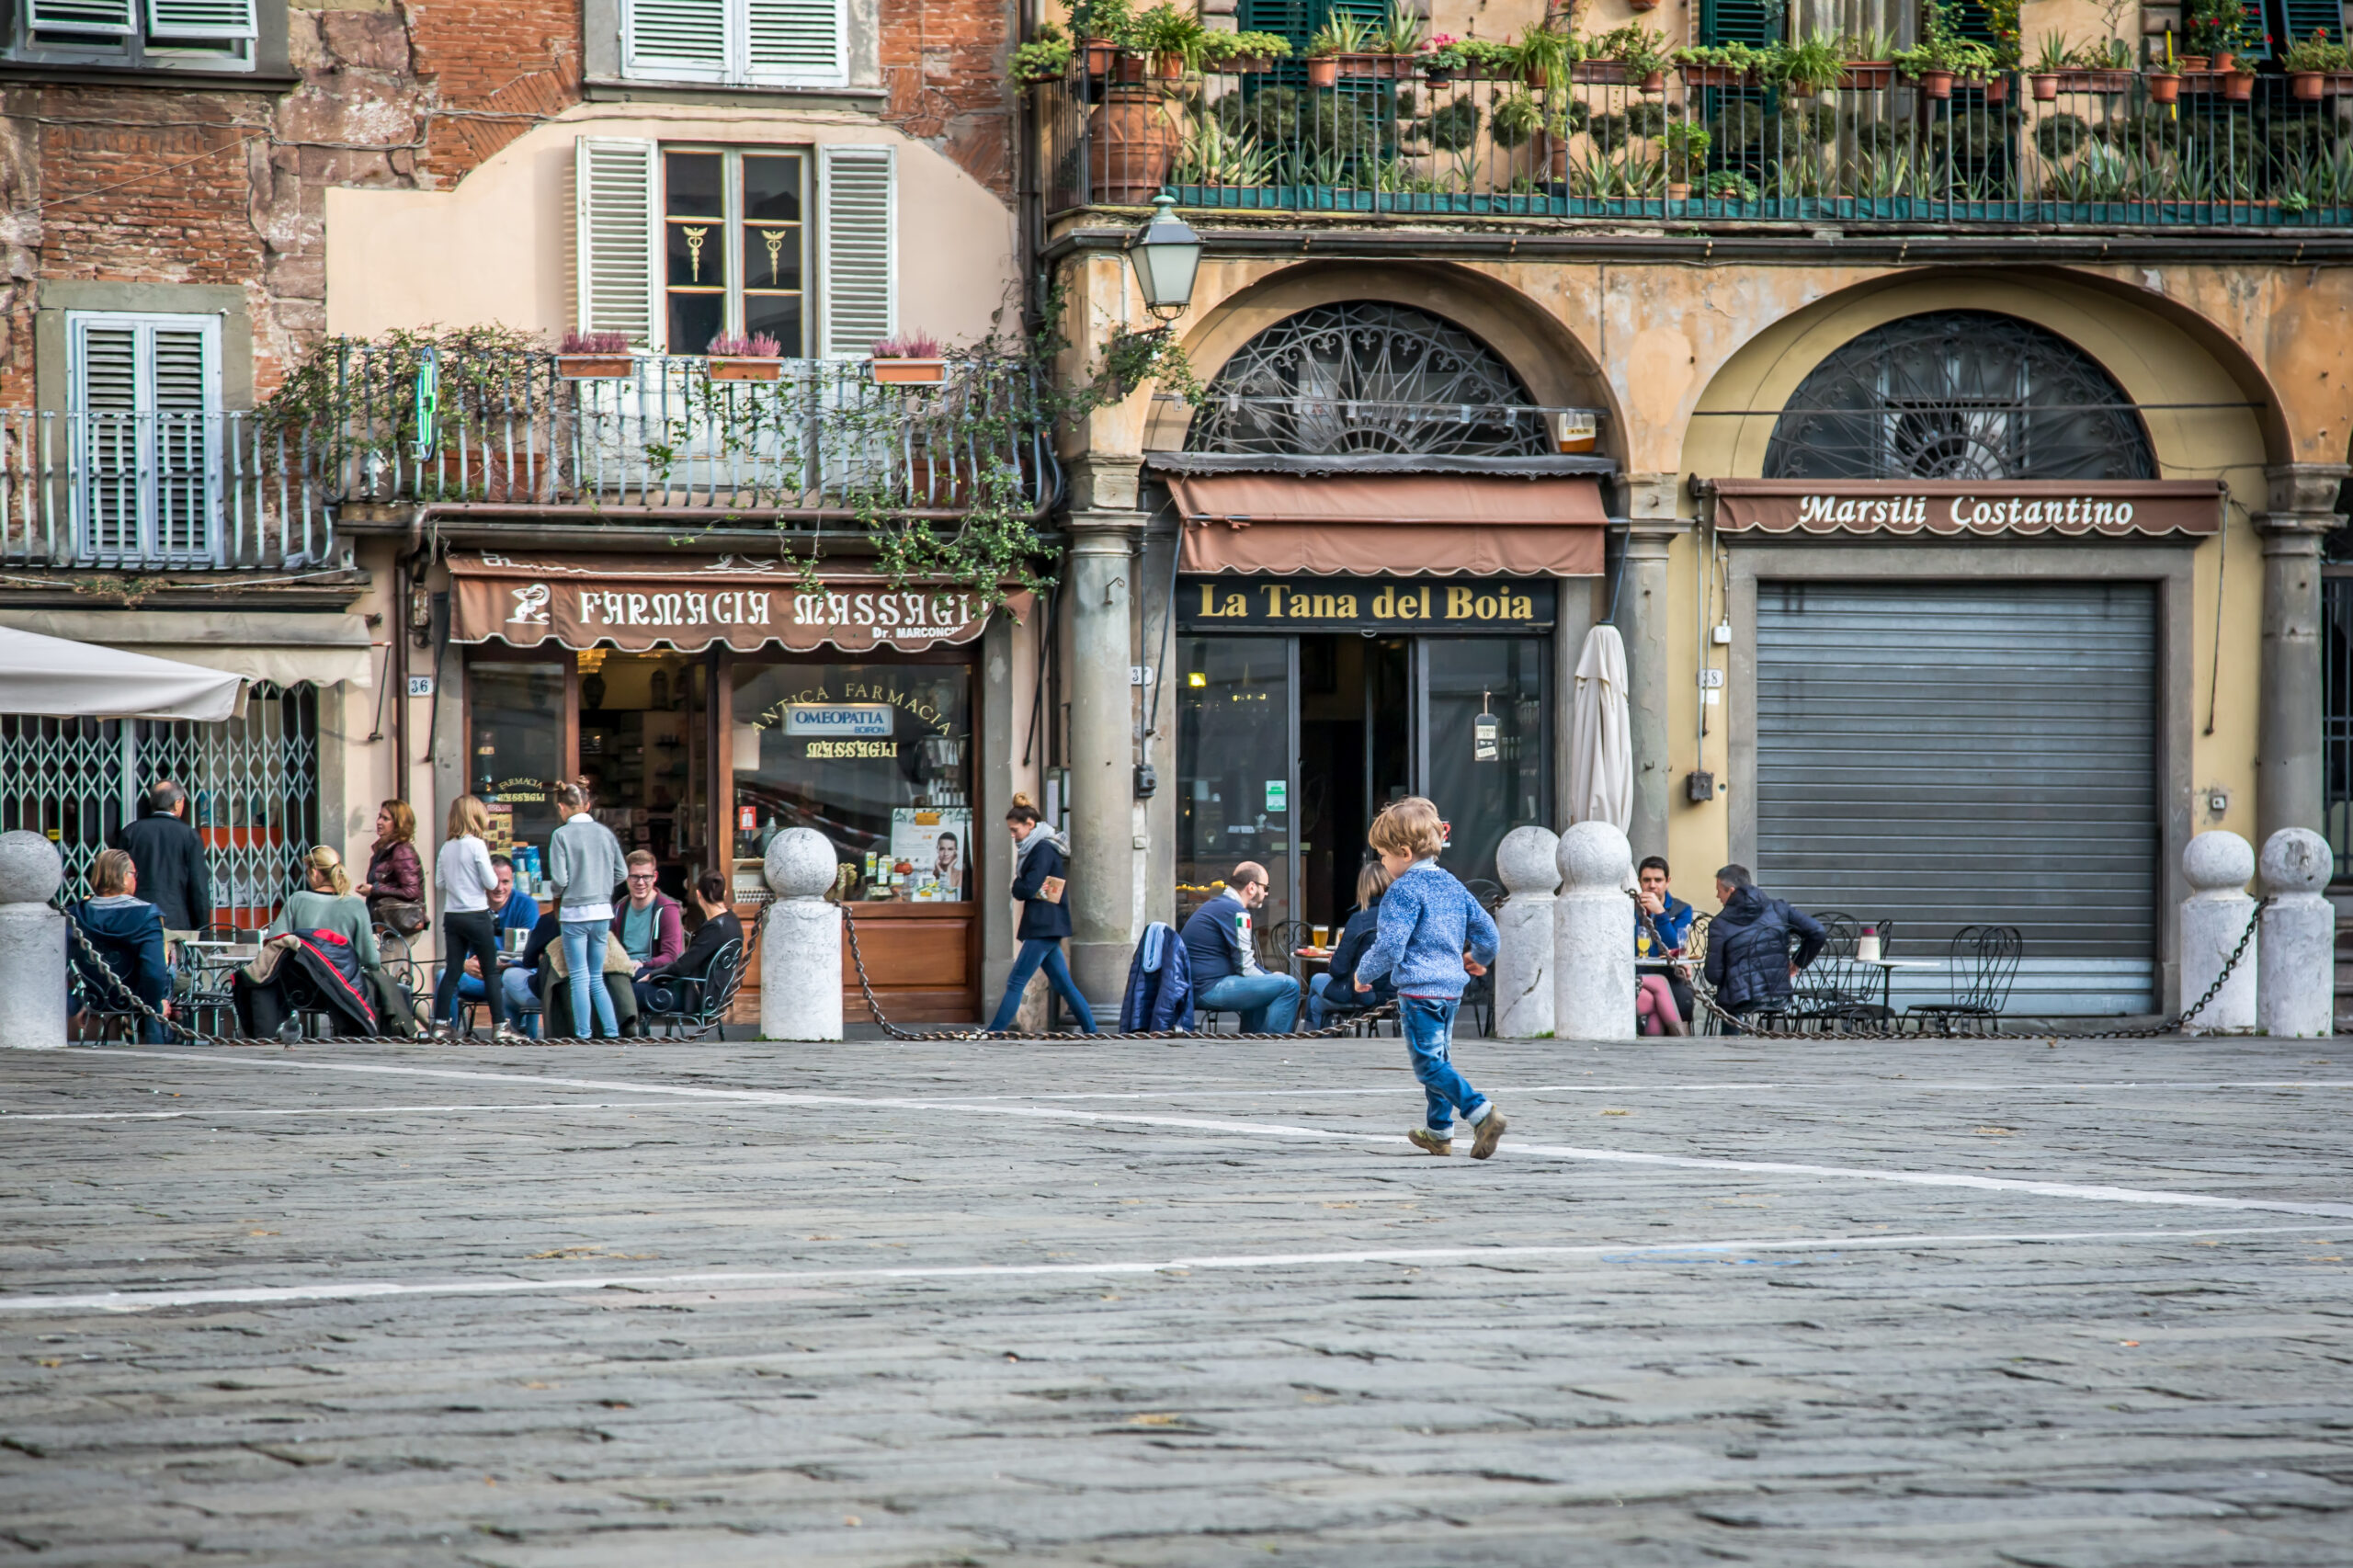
(516, 753)
(1235, 772)
(678, 245)
(143, 396)
(1960, 395)
(754, 43)
(137, 35)
(877, 757)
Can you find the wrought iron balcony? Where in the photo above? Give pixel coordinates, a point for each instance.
(1714, 150)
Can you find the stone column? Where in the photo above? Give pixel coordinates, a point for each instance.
(2217, 864)
(2288, 787)
(1527, 862)
(1105, 529)
(2295, 995)
(32, 944)
(1592, 943)
(1651, 507)
(801, 950)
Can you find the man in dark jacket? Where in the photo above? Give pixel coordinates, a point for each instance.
(174, 875)
(1749, 961)
(121, 948)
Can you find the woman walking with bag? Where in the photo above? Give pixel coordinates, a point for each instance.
(585, 863)
(466, 878)
(1041, 862)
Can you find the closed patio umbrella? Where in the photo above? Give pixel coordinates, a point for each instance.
(63, 679)
(1601, 744)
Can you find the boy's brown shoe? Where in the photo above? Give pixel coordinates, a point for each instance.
(1490, 1133)
(1429, 1143)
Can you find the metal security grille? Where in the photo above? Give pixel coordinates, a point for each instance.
(1959, 394)
(1367, 377)
(2337, 721)
(253, 785)
(1948, 755)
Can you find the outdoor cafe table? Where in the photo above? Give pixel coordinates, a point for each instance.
(1887, 968)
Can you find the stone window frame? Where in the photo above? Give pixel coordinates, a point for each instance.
(52, 366)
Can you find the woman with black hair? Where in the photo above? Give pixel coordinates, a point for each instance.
(1040, 866)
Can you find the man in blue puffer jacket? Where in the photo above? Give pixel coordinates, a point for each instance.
(1749, 961)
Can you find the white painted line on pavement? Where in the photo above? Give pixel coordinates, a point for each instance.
(365, 1289)
(217, 1114)
(1258, 1131)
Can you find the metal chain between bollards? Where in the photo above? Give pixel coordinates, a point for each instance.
(873, 1006)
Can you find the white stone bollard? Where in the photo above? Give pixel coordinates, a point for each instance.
(801, 950)
(1527, 864)
(2217, 864)
(1592, 936)
(2296, 994)
(32, 944)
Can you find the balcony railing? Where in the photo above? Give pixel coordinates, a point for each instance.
(2078, 149)
(199, 492)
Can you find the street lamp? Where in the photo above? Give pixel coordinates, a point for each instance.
(1165, 254)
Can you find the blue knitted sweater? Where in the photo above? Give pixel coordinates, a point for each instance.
(1427, 918)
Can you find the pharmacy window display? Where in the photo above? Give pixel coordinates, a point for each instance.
(876, 756)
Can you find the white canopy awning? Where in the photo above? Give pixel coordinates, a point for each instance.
(51, 676)
(284, 647)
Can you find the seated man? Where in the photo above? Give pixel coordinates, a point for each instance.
(1334, 990)
(1663, 1000)
(510, 910)
(649, 924)
(1226, 975)
(121, 948)
(1749, 961)
(677, 986)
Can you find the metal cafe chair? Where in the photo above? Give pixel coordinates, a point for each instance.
(1982, 966)
(704, 999)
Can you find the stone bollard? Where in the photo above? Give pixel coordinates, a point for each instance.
(2296, 994)
(32, 944)
(1527, 864)
(1593, 940)
(2217, 864)
(801, 950)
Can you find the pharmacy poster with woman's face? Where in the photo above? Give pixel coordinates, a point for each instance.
(937, 849)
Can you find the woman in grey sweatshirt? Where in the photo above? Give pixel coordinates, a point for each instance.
(585, 863)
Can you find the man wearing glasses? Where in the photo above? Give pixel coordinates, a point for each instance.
(648, 925)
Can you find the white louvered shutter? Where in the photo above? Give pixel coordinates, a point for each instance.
(797, 41)
(145, 402)
(200, 18)
(685, 39)
(81, 16)
(181, 379)
(614, 217)
(107, 390)
(858, 259)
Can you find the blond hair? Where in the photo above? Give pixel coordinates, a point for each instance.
(323, 861)
(1409, 826)
(1371, 883)
(112, 873)
(469, 818)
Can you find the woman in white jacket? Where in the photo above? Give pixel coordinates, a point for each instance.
(463, 874)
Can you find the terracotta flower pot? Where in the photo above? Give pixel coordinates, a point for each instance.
(1867, 77)
(2190, 64)
(2045, 85)
(1713, 77)
(1168, 67)
(1323, 71)
(2165, 87)
(1138, 146)
(1654, 84)
(1248, 64)
(1936, 84)
(593, 367)
(1599, 73)
(1998, 89)
(1127, 68)
(2224, 59)
(1678, 190)
(724, 368)
(2238, 87)
(908, 372)
(2307, 86)
(1099, 54)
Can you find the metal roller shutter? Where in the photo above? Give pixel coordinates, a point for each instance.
(1947, 754)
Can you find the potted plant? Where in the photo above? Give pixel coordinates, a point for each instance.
(1546, 56)
(2210, 28)
(593, 355)
(2104, 66)
(1515, 119)
(2052, 59)
(1107, 28)
(1730, 184)
(733, 356)
(1686, 155)
(1718, 65)
(1484, 59)
(1170, 38)
(1243, 52)
(1341, 34)
(1442, 59)
(2312, 64)
(2165, 83)
(2238, 82)
(1640, 55)
(1045, 58)
(1870, 62)
(1943, 55)
(1809, 66)
(912, 358)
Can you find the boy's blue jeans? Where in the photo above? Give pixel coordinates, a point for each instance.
(1429, 1037)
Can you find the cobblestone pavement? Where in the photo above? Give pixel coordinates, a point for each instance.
(1140, 1304)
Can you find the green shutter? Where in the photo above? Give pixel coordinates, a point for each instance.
(1739, 21)
(2295, 21)
(1969, 20)
(1299, 20)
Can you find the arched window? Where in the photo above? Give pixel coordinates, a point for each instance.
(1960, 395)
(1366, 376)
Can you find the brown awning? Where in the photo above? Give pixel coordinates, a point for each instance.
(1437, 525)
(1971, 507)
(690, 603)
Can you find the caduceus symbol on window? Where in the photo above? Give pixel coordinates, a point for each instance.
(774, 240)
(694, 250)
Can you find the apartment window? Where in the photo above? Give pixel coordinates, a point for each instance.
(773, 43)
(188, 35)
(143, 414)
(675, 244)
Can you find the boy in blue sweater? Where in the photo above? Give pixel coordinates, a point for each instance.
(1434, 937)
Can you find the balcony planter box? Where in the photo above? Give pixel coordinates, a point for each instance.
(2165, 87)
(2197, 82)
(1247, 64)
(1995, 88)
(1323, 70)
(908, 372)
(1716, 76)
(1377, 67)
(1867, 77)
(595, 367)
(2107, 82)
(1599, 73)
(722, 367)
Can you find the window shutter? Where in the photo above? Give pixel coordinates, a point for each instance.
(180, 379)
(1751, 22)
(685, 38)
(2299, 19)
(857, 247)
(109, 378)
(613, 221)
(797, 40)
(200, 18)
(81, 16)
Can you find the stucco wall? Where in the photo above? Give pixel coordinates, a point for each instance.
(496, 248)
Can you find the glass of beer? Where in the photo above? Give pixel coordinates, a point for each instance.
(1322, 936)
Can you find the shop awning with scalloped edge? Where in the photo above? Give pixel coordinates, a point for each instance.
(1408, 524)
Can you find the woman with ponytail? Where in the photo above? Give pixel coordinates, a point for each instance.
(1041, 865)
